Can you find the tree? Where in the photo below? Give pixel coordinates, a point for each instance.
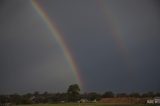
(148, 94)
(135, 94)
(108, 94)
(36, 94)
(73, 93)
(3, 99)
(157, 94)
(93, 96)
(122, 95)
(15, 99)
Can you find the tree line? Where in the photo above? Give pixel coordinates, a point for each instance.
(71, 95)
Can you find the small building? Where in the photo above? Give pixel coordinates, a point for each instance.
(150, 101)
(94, 101)
(83, 101)
(35, 99)
(157, 100)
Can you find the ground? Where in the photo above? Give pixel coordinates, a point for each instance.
(88, 104)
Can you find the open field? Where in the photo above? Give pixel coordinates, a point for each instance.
(88, 104)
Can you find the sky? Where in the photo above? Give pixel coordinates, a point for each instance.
(114, 43)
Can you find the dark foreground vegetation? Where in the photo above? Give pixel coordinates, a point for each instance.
(72, 95)
(87, 104)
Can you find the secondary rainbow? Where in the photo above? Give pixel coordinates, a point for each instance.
(117, 32)
(59, 37)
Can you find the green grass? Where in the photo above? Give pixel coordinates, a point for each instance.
(87, 104)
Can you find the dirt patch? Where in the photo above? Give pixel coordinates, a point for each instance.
(127, 100)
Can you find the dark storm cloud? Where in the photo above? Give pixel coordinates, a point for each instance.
(31, 58)
(89, 33)
(88, 30)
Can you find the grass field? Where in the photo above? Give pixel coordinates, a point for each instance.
(88, 104)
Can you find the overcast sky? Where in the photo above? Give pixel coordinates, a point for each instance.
(116, 45)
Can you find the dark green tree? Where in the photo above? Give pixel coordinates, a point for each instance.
(148, 94)
(108, 94)
(157, 94)
(121, 95)
(16, 99)
(135, 94)
(73, 93)
(36, 94)
(93, 96)
(3, 99)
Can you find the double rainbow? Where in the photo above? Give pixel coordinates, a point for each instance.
(116, 33)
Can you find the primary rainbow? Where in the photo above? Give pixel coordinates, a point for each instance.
(59, 37)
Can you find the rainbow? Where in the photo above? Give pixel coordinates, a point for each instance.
(117, 33)
(58, 35)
